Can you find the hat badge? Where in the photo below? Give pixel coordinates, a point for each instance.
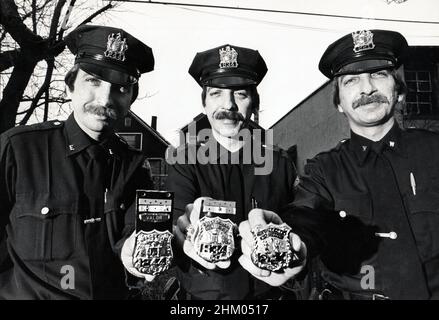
(116, 47)
(363, 40)
(228, 57)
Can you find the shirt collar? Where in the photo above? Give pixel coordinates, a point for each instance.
(77, 140)
(225, 156)
(392, 141)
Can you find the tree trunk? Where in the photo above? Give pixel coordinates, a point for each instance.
(14, 90)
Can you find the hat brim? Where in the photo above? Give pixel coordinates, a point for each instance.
(108, 74)
(362, 66)
(228, 82)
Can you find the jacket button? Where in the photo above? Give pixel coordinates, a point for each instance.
(45, 210)
(342, 214)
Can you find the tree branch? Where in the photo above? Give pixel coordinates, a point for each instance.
(55, 18)
(41, 91)
(13, 24)
(94, 15)
(8, 59)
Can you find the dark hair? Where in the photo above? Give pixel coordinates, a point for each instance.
(71, 75)
(400, 87)
(253, 93)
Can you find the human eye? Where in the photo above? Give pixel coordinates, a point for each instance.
(380, 74)
(214, 92)
(93, 81)
(347, 81)
(242, 94)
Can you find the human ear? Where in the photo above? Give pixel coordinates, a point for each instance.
(340, 109)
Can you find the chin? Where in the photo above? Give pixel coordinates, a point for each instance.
(229, 132)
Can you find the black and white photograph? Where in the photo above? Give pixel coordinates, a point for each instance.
(240, 152)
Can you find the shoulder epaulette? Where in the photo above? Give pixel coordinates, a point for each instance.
(335, 149)
(47, 125)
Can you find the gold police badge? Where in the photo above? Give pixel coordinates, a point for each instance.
(153, 252)
(271, 247)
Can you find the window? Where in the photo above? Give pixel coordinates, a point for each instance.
(134, 139)
(419, 101)
(127, 122)
(159, 172)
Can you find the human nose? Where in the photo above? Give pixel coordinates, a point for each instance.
(104, 97)
(367, 85)
(229, 102)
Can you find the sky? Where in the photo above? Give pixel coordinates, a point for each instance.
(291, 45)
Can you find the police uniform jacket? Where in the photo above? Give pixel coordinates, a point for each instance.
(54, 249)
(222, 180)
(370, 209)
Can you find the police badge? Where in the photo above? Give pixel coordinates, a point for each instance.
(213, 236)
(271, 248)
(228, 57)
(363, 40)
(153, 251)
(116, 47)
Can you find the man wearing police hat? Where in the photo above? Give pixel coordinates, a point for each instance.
(207, 246)
(369, 206)
(67, 188)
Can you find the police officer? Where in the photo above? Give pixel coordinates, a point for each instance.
(228, 76)
(369, 206)
(67, 188)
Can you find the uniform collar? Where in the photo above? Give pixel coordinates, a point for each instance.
(77, 140)
(392, 141)
(224, 155)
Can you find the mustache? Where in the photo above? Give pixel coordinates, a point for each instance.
(363, 100)
(101, 111)
(230, 115)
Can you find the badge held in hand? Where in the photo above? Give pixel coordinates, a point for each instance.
(272, 249)
(213, 236)
(153, 251)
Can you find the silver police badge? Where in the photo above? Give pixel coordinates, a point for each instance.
(153, 251)
(116, 47)
(213, 238)
(228, 57)
(271, 248)
(363, 40)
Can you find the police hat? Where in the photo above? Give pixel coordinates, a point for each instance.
(363, 51)
(110, 54)
(228, 66)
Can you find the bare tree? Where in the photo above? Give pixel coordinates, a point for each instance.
(32, 63)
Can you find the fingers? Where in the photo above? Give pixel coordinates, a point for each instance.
(223, 264)
(262, 217)
(137, 274)
(193, 210)
(245, 231)
(248, 265)
(299, 246)
(127, 258)
(189, 250)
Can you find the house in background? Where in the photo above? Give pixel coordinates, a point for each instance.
(147, 139)
(315, 125)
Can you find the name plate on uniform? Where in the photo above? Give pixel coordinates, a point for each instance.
(213, 236)
(153, 251)
(272, 249)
